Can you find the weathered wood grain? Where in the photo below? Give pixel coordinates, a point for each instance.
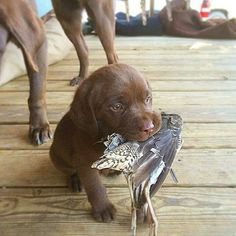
(164, 42)
(168, 75)
(160, 98)
(191, 167)
(156, 68)
(17, 114)
(196, 135)
(163, 74)
(158, 62)
(157, 85)
(206, 54)
(201, 211)
(192, 77)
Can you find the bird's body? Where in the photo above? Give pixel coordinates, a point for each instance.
(144, 164)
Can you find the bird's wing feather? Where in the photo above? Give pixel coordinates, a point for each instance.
(119, 158)
(142, 173)
(169, 151)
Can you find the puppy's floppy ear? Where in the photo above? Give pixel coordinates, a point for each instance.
(82, 109)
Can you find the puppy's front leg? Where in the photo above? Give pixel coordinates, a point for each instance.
(102, 209)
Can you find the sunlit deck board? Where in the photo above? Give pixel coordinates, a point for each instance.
(195, 78)
(191, 167)
(18, 114)
(181, 211)
(196, 135)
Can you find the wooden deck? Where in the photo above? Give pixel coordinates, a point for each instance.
(195, 78)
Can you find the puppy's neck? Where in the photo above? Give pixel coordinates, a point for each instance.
(103, 130)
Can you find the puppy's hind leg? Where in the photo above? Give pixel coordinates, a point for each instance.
(69, 14)
(102, 12)
(74, 182)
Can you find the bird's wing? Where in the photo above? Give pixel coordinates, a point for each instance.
(113, 141)
(158, 153)
(153, 151)
(143, 172)
(168, 149)
(119, 158)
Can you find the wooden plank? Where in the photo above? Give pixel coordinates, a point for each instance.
(201, 211)
(157, 85)
(23, 85)
(163, 42)
(167, 74)
(196, 135)
(159, 56)
(33, 168)
(160, 60)
(159, 98)
(17, 114)
(194, 78)
(153, 76)
(155, 68)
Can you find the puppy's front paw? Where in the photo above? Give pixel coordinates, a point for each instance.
(104, 214)
(40, 134)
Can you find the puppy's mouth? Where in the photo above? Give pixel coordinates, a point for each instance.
(142, 135)
(146, 135)
(146, 130)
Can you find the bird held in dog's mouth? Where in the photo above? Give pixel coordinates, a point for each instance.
(145, 164)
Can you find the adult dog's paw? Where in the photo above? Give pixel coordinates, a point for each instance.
(76, 81)
(40, 134)
(104, 214)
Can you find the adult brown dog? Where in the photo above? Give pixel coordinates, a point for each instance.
(114, 99)
(19, 23)
(69, 14)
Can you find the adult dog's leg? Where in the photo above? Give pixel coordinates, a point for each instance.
(39, 126)
(102, 12)
(69, 13)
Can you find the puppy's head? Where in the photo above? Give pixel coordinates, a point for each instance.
(115, 99)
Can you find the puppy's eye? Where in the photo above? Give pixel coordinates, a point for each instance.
(117, 107)
(148, 99)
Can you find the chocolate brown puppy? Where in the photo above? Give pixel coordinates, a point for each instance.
(114, 99)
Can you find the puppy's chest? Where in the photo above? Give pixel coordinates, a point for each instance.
(99, 149)
(93, 152)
